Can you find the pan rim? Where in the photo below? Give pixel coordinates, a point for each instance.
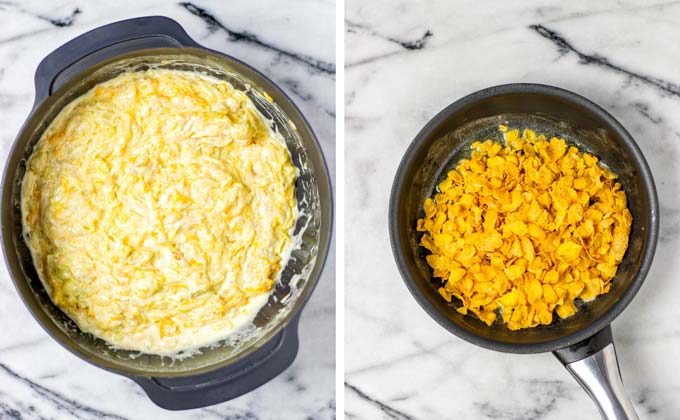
(396, 196)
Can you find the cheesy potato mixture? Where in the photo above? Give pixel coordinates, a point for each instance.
(158, 208)
(524, 229)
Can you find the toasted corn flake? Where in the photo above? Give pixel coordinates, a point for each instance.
(522, 229)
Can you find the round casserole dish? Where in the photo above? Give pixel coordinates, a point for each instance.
(240, 363)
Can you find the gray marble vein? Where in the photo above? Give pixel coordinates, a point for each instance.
(544, 397)
(644, 110)
(417, 44)
(406, 45)
(214, 24)
(57, 400)
(59, 22)
(564, 47)
(389, 411)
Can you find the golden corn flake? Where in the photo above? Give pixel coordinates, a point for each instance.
(523, 230)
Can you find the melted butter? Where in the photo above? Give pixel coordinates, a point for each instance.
(158, 209)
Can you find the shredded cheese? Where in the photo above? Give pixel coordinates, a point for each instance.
(158, 208)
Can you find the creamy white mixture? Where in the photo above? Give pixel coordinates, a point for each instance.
(158, 209)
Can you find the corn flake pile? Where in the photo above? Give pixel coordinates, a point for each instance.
(524, 230)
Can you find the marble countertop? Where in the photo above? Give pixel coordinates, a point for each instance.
(405, 62)
(294, 45)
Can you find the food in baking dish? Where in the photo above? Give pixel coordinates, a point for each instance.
(158, 208)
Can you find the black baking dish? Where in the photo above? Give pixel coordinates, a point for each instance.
(236, 367)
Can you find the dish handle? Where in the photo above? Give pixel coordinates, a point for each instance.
(594, 365)
(229, 382)
(103, 43)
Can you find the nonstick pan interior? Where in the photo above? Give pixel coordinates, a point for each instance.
(447, 139)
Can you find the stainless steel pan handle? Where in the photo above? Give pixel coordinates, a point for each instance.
(599, 375)
(594, 365)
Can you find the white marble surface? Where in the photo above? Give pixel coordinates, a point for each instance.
(623, 55)
(294, 45)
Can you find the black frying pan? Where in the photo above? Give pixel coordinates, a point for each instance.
(583, 342)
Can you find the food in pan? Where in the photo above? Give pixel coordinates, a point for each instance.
(524, 229)
(158, 208)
